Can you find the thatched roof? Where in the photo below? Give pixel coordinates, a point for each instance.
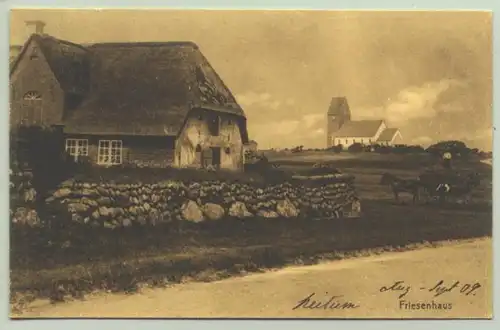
(68, 61)
(144, 88)
(148, 89)
(359, 128)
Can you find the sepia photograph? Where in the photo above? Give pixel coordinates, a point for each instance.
(250, 164)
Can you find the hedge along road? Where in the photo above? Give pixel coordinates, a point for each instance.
(425, 283)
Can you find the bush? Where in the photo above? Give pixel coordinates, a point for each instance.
(336, 149)
(453, 146)
(355, 147)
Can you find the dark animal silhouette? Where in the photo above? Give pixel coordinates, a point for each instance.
(399, 185)
(444, 187)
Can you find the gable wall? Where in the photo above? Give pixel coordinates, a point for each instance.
(35, 75)
(398, 139)
(196, 132)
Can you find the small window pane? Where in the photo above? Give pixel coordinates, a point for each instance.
(77, 147)
(110, 152)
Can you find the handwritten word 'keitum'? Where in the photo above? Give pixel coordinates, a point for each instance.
(332, 303)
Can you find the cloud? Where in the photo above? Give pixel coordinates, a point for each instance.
(278, 128)
(424, 141)
(252, 98)
(274, 105)
(307, 130)
(417, 102)
(312, 120)
(420, 101)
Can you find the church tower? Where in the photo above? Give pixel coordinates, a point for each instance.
(338, 114)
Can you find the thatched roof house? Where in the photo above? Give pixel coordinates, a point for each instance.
(115, 91)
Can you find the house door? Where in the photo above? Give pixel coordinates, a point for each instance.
(216, 157)
(206, 157)
(211, 157)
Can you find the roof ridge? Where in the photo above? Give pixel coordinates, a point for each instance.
(144, 43)
(45, 36)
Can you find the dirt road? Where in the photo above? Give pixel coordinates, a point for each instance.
(459, 274)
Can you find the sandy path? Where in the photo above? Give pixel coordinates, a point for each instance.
(275, 294)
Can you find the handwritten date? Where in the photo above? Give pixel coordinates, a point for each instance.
(440, 288)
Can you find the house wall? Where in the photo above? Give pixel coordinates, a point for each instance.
(346, 142)
(35, 75)
(250, 147)
(397, 139)
(143, 151)
(196, 133)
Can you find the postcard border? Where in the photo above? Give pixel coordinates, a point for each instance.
(5, 6)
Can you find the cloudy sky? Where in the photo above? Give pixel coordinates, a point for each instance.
(428, 73)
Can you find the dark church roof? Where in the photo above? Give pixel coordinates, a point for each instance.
(137, 88)
(388, 135)
(338, 106)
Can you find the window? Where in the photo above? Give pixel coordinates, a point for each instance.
(77, 147)
(32, 96)
(31, 112)
(109, 152)
(214, 125)
(34, 54)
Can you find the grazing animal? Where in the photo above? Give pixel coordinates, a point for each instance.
(443, 188)
(461, 190)
(399, 185)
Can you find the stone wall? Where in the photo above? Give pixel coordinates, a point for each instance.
(113, 205)
(22, 199)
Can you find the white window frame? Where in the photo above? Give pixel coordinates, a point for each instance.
(77, 147)
(105, 152)
(32, 96)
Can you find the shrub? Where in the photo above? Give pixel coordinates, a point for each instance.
(355, 147)
(337, 148)
(453, 146)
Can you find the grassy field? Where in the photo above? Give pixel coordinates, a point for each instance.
(368, 168)
(56, 265)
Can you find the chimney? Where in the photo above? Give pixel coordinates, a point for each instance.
(31, 27)
(34, 27)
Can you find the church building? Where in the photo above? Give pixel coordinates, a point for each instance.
(342, 130)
